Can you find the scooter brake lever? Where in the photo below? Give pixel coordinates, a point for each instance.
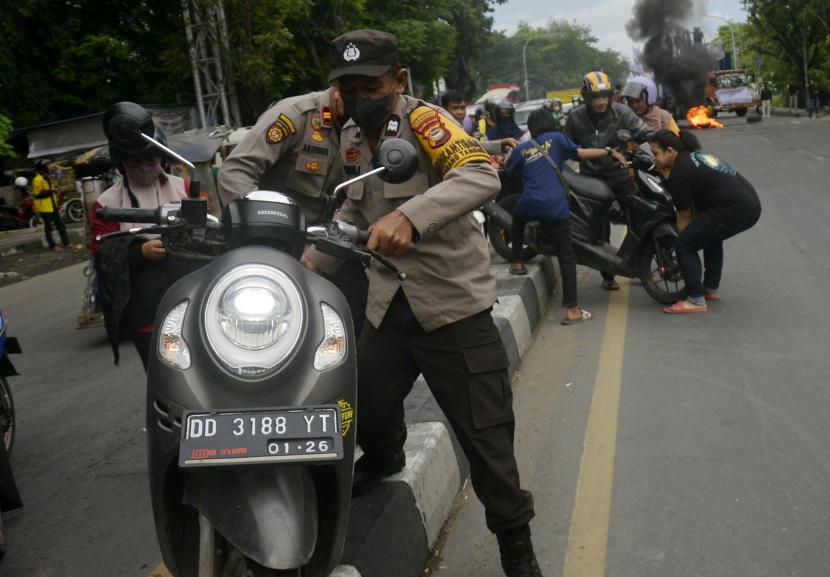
(385, 262)
(132, 232)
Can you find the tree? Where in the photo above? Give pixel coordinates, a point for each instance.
(558, 55)
(794, 32)
(6, 149)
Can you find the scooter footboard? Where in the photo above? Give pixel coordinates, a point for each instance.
(268, 513)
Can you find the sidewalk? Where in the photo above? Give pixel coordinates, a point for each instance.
(26, 239)
(393, 529)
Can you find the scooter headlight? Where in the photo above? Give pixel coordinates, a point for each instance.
(253, 318)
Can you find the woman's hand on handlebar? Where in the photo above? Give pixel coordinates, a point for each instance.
(153, 249)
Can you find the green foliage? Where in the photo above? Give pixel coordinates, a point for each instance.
(781, 32)
(558, 55)
(5, 132)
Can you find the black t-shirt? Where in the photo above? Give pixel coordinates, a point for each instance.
(704, 182)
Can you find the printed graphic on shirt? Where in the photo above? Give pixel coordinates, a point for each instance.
(446, 143)
(712, 162)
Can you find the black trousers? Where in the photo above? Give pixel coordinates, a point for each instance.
(351, 279)
(465, 366)
(50, 218)
(620, 183)
(556, 233)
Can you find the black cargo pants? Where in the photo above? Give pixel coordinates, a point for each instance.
(465, 366)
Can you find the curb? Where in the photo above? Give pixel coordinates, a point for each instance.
(16, 242)
(393, 529)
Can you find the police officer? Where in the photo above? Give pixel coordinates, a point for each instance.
(437, 322)
(293, 148)
(595, 125)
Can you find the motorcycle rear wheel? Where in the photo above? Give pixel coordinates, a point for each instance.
(7, 416)
(500, 237)
(659, 271)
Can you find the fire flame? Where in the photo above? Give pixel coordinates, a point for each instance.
(699, 118)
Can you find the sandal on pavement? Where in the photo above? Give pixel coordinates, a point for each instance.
(610, 285)
(685, 307)
(518, 271)
(584, 316)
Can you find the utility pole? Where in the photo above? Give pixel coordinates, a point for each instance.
(524, 64)
(207, 42)
(735, 56)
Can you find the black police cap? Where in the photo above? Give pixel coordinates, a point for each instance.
(363, 53)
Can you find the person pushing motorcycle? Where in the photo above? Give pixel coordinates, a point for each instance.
(594, 124)
(437, 322)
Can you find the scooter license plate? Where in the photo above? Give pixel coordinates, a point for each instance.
(234, 438)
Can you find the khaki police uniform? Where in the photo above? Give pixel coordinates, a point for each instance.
(437, 322)
(291, 149)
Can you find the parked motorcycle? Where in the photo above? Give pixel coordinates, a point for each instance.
(251, 385)
(646, 252)
(9, 498)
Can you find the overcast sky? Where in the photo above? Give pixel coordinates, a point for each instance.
(606, 18)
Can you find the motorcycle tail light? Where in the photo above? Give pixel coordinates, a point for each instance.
(332, 350)
(172, 347)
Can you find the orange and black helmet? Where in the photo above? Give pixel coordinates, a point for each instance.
(596, 84)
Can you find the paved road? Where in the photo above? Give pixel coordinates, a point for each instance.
(707, 437)
(659, 446)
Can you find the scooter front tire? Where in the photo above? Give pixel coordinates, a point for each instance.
(237, 565)
(500, 237)
(660, 273)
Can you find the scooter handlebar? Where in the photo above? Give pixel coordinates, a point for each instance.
(113, 214)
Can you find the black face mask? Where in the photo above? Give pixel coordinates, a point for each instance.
(368, 113)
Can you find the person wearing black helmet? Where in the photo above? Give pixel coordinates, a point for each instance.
(506, 126)
(132, 272)
(46, 205)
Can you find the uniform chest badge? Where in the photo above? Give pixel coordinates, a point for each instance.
(275, 134)
(327, 118)
(312, 165)
(393, 125)
(317, 136)
(316, 122)
(352, 155)
(351, 53)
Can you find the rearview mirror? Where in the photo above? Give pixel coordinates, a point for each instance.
(398, 157)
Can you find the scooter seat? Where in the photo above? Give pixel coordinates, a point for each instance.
(588, 187)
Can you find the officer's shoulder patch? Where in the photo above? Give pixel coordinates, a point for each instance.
(446, 143)
(281, 129)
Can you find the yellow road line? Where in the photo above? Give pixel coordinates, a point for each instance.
(588, 538)
(160, 571)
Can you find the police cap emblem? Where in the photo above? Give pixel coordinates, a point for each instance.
(351, 53)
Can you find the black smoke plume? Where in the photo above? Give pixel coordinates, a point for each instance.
(676, 60)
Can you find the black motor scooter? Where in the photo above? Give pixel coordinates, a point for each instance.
(646, 251)
(251, 385)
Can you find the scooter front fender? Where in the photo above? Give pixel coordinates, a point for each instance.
(268, 513)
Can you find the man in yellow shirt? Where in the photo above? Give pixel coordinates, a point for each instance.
(46, 205)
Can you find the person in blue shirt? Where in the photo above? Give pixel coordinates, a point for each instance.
(544, 199)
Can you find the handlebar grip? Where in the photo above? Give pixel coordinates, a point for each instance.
(112, 214)
(362, 237)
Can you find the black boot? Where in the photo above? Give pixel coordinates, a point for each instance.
(517, 557)
(370, 471)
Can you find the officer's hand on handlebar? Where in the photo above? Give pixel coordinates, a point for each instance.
(153, 249)
(390, 235)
